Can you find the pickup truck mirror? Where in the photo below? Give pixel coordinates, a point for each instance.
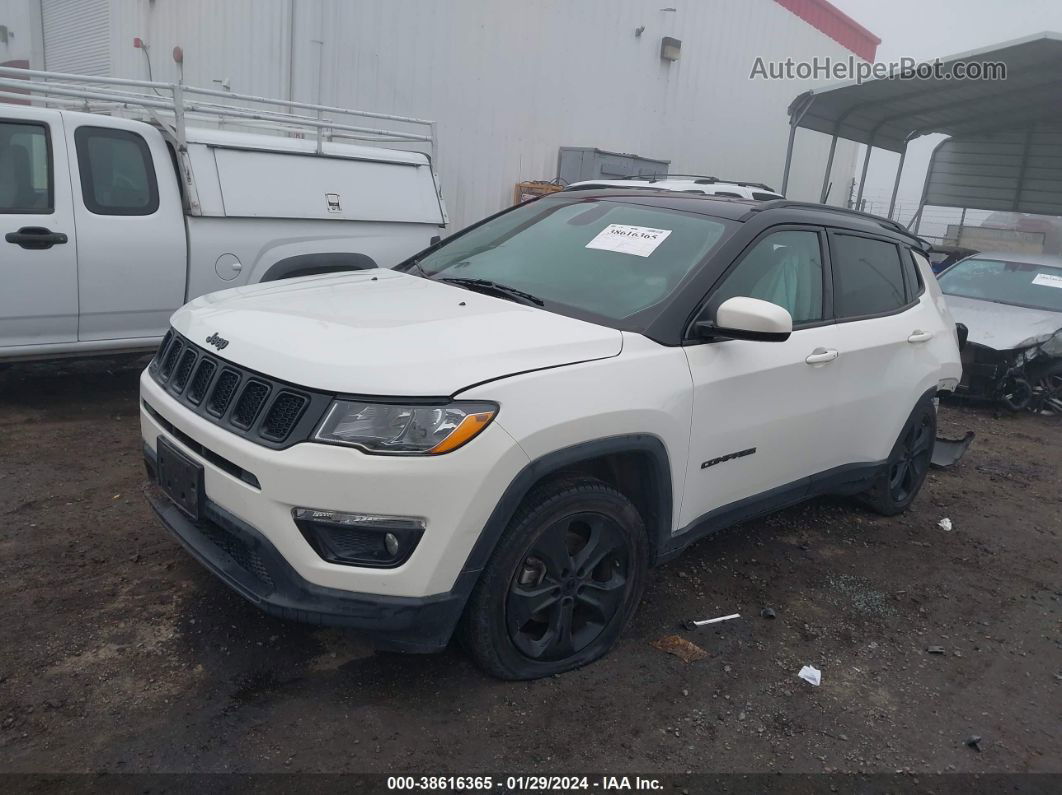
(742, 318)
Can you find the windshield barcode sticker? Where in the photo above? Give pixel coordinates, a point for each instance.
(1048, 280)
(638, 240)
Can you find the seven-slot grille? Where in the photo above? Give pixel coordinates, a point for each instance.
(247, 403)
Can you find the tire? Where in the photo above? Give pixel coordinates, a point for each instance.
(1047, 391)
(537, 610)
(905, 471)
(1016, 394)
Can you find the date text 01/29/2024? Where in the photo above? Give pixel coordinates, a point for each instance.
(524, 783)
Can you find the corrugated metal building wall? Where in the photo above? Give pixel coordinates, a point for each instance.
(509, 81)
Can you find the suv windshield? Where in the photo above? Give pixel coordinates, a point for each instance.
(601, 257)
(1017, 283)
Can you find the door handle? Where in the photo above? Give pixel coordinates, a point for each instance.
(35, 237)
(920, 336)
(822, 356)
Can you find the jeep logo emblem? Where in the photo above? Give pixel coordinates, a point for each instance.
(218, 342)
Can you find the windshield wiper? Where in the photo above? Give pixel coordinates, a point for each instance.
(415, 262)
(489, 287)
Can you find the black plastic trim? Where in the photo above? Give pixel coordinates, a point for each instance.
(400, 623)
(916, 291)
(911, 303)
(201, 450)
(313, 531)
(843, 480)
(315, 264)
(658, 523)
(707, 330)
(317, 402)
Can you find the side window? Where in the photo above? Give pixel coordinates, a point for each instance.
(913, 273)
(25, 169)
(868, 276)
(784, 268)
(117, 176)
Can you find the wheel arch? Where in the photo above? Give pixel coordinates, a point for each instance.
(317, 263)
(636, 464)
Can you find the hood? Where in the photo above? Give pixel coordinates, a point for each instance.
(1003, 327)
(381, 332)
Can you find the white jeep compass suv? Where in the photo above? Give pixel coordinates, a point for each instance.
(503, 434)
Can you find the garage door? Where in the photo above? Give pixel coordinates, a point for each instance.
(77, 36)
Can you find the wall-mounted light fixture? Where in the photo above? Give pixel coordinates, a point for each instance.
(670, 48)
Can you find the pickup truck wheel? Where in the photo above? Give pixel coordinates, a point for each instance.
(908, 464)
(564, 580)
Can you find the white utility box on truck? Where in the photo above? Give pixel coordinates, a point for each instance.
(121, 200)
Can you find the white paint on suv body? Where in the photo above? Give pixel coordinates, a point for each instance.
(559, 382)
(382, 332)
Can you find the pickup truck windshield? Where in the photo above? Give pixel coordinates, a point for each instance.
(607, 258)
(1016, 283)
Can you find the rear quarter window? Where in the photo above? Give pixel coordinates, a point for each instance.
(912, 274)
(117, 175)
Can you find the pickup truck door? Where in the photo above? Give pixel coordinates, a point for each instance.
(131, 246)
(38, 258)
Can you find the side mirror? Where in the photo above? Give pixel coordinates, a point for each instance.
(741, 318)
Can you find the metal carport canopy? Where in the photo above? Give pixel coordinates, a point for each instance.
(887, 113)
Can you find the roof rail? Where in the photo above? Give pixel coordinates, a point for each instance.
(702, 178)
(887, 223)
(113, 94)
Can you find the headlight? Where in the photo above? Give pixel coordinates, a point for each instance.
(399, 429)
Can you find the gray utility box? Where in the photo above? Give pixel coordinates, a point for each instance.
(578, 163)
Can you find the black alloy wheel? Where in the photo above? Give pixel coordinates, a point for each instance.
(1047, 394)
(902, 475)
(908, 470)
(569, 587)
(563, 581)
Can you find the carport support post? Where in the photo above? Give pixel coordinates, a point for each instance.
(917, 220)
(863, 176)
(896, 182)
(794, 122)
(789, 154)
(826, 175)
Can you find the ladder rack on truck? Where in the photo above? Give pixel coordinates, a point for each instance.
(171, 105)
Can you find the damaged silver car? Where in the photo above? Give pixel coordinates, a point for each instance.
(1011, 305)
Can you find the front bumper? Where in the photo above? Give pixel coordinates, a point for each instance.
(250, 491)
(244, 560)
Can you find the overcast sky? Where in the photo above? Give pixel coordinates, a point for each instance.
(926, 29)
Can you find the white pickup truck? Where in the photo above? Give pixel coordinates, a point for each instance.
(109, 224)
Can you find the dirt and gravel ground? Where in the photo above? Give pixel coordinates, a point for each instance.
(119, 653)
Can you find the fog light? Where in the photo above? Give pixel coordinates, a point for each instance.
(391, 543)
(359, 539)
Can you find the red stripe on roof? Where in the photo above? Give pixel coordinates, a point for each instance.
(836, 24)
